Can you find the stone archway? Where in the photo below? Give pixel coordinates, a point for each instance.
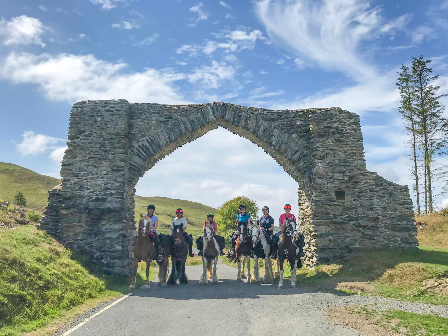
(343, 207)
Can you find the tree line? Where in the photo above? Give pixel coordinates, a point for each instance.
(422, 113)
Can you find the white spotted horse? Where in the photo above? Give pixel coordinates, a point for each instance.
(209, 257)
(261, 249)
(288, 250)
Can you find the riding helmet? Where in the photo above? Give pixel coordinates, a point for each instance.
(287, 206)
(210, 215)
(151, 207)
(242, 206)
(265, 208)
(179, 210)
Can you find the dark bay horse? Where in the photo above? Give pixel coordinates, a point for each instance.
(287, 250)
(143, 250)
(243, 248)
(179, 253)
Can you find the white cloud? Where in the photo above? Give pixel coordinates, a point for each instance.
(300, 64)
(421, 33)
(327, 32)
(126, 25)
(395, 25)
(201, 15)
(57, 155)
(237, 40)
(222, 3)
(212, 76)
(147, 41)
(260, 93)
(22, 30)
(33, 143)
(43, 8)
(229, 16)
(72, 78)
(109, 4)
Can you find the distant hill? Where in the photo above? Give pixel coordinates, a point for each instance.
(34, 186)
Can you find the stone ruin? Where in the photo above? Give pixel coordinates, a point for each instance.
(112, 143)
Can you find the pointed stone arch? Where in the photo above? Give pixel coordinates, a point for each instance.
(343, 207)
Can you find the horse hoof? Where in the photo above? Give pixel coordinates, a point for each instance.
(145, 287)
(163, 285)
(254, 281)
(293, 285)
(243, 276)
(215, 281)
(239, 280)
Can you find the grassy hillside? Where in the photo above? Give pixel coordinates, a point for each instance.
(195, 213)
(34, 186)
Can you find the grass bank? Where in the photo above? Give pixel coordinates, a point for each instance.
(41, 281)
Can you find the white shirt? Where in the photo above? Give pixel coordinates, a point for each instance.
(179, 221)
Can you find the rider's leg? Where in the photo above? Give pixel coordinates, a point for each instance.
(189, 239)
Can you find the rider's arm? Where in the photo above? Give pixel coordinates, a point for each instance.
(185, 226)
(272, 226)
(156, 225)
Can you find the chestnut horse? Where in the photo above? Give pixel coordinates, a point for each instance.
(209, 256)
(143, 250)
(179, 253)
(243, 248)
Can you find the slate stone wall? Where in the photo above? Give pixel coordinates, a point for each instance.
(113, 143)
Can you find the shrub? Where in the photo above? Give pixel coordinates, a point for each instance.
(19, 199)
(33, 216)
(11, 208)
(226, 216)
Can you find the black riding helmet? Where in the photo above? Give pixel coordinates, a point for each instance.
(151, 207)
(242, 206)
(265, 208)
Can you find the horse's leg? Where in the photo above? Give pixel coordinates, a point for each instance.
(215, 279)
(209, 268)
(148, 265)
(243, 275)
(256, 278)
(293, 272)
(277, 268)
(267, 279)
(203, 280)
(172, 279)
(280, 283)
(238, 277)
(134, 274)
(183, 277)
(248, 269)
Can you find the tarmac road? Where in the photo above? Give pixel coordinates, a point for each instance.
(227, 308)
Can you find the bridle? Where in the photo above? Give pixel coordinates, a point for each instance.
(177, 229)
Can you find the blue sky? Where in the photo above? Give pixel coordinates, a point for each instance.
(266, 53)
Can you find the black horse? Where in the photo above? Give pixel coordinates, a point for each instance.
(179, 253)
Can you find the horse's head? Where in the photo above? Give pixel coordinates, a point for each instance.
(178, 234)
(256, 234)
(208, 232)
(242, 231)
(143, 225)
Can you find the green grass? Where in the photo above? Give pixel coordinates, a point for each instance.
(406, 323)
(40, 280)
(34, 186)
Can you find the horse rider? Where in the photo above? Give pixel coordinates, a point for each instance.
(182, 222)
(242, 219)
(300, 242)
(212, 224)
(154, 220)
(266, 224)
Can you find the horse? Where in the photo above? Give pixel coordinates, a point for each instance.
(143, 250)
(243, 248)
(165, 245)
(210, 255)
(261, 249)
(288, 250)
(179, 253)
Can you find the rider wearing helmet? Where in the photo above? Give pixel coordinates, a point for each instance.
(182, 222)
(212, 224)
(287, 214)
(266, 223)
(242, 219)
(154, 220)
